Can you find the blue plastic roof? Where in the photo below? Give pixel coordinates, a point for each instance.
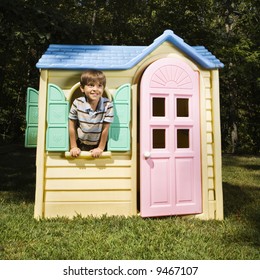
(104, 57)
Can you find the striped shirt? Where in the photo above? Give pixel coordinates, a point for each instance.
(90, 122)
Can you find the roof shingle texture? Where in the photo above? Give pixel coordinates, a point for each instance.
(105, 57)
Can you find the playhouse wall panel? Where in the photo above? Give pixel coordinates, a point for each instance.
(88, 184)
(207, 81)
(71, 209)
(207, 155)
(81, 196)
(210, 160)
(210, 183)
(113, 82)
(208, 104)
(89, 172)
(63, 79)
(211, 195)
(209, 115)
(217, 147)
(210, 172)
(212, 210)
(209, 149)
(40, 158)
(207, 93)
(213, 147)
(209, 137)
(167, 49)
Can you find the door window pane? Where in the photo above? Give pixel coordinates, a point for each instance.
(183, 138)
(182, 107)
(158, 138)
(158, 107)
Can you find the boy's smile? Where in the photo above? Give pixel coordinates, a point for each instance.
(93, 92)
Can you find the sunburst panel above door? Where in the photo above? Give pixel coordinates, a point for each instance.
(171, 76)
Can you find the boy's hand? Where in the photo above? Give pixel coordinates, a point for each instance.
(96, 152)
(75, 151)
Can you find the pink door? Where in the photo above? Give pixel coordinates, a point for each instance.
(170, 168)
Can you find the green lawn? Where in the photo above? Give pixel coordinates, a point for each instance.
(22, 237)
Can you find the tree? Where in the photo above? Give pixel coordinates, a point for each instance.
(27, 28)
(239, 50)
(228, 28)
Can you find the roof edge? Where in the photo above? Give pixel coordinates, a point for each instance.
(169, 36)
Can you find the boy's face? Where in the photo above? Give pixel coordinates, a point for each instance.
(93, 91)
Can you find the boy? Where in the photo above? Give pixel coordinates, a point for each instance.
(90, 116)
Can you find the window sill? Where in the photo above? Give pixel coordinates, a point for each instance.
(88, 155)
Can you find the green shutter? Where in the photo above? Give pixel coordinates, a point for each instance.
(31, 118)
(119, 131)
(57, 137)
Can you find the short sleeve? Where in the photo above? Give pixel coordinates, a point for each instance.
(109, 115)
(73, 114)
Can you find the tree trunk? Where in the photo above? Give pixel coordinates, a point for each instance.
(233, 138)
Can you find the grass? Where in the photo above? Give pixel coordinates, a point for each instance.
(22, 237)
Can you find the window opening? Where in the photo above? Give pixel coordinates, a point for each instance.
(158, 107)
(183, 138)
(182, 107)
(158, 138)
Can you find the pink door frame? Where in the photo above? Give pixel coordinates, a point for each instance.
(170, 167)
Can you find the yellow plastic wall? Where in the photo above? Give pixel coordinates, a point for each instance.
(88, 186)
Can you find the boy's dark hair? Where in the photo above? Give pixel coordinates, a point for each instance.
(92, 76)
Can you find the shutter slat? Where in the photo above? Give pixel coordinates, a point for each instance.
(31, 131)
(119, 131)
(57, 120)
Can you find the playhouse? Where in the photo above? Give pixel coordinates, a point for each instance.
(164, 150)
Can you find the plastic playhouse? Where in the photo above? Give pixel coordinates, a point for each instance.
(164, 149)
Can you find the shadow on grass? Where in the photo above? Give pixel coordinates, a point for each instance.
(235, 199)
(17, 168)
(252, 167)
(243, 204)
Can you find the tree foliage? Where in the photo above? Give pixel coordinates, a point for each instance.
(228, 28)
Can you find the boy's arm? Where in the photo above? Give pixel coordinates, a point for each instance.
(103, 140)
(74, 150)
